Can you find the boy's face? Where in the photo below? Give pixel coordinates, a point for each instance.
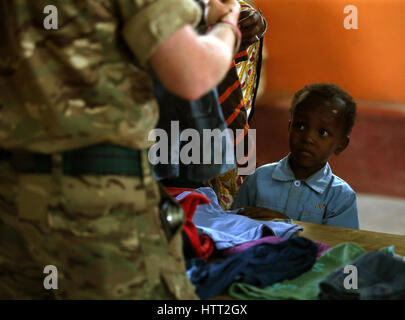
(316, 133)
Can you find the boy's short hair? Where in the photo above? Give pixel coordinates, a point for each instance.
(329, 92)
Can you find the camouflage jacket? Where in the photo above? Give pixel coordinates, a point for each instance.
(85, 81)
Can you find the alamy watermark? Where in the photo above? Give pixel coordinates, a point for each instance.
(351, 21)
(51, 20)
(214, 147)
(51, 280)
(350, 281)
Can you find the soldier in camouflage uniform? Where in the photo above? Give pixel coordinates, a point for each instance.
(76, 108)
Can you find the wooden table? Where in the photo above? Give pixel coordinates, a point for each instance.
(369, 240)
(333, 236)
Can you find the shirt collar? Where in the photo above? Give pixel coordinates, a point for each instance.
(283, 172)
(319, 181)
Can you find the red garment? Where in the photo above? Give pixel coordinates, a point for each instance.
(174, 192)
(207, 246)
(203, 245)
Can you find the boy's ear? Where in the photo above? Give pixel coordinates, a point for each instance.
(344, 142)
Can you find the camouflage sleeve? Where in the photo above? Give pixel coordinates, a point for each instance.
(149, 22)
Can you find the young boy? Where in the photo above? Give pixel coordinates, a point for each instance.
(302, 185)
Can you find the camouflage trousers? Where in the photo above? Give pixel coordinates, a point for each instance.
(102, 233)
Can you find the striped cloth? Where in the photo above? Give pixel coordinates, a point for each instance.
(237, 93)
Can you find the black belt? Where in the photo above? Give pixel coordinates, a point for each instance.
(97, 159)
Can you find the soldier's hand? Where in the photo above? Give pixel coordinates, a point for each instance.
(252, 25)
(216, 9)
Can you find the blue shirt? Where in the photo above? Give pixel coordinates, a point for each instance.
(228, 229)
(321, 198)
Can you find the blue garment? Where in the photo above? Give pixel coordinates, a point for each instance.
(380, 275)
(228, 229)
(321, 198)
(261, 265)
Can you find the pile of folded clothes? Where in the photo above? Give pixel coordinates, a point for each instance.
(252, 259)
